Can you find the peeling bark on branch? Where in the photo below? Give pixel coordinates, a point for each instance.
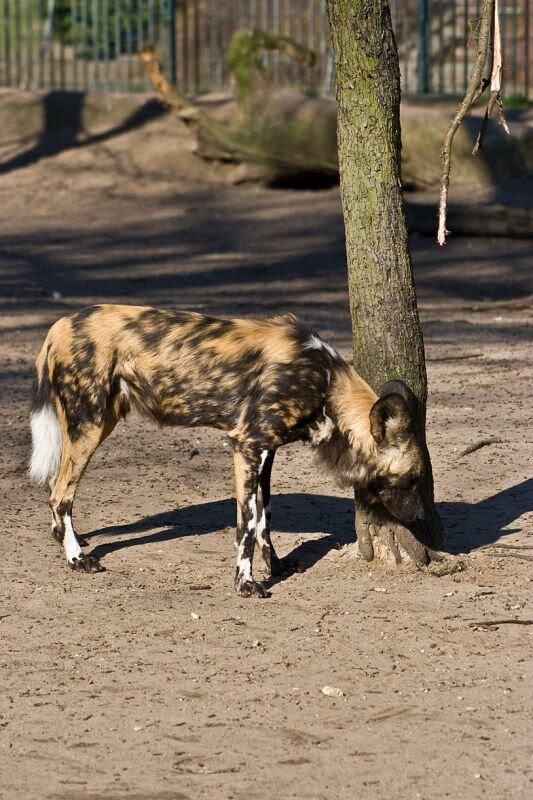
(489, 27)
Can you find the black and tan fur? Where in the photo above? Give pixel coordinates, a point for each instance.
(265, 383)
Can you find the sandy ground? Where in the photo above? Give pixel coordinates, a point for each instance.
(153, 679)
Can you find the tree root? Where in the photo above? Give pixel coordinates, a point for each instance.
(383, 539)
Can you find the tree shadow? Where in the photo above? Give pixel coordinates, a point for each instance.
(63, 126)
(469, 526)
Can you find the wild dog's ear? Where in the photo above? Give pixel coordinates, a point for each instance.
(401, 388)
(390, 418)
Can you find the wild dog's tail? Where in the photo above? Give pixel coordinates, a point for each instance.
(47, 438)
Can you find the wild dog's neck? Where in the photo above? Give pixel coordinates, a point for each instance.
(349, 452)
(350, 400)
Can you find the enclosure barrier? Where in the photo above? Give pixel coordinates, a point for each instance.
(95, 44)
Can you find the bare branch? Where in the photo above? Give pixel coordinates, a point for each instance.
(162, 87)
(473, 91)
(495, 83)
(478, 445)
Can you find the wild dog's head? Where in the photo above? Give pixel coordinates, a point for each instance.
(373, 447)
(399, 460)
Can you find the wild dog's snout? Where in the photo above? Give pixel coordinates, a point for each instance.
(399, 458)
(405, 505)
(412, 507)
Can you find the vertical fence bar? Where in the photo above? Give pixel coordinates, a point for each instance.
(219, 53)
(228, 31)
(289, 75)
(50, 40)
(2, 47)
(139, 38)
(29, 44)
(151, 23)
(84, 47)
(95, 35)
(163, 38)
(454, 46)
(62, 25)
(208, 23)
(526, 49)
(105, 42)
(405, 25)
(310, 42)
(129, 43)
(196, 24)
(117, 49)
(276, 30)
(40, 38)
(465, 44)
(422, 54)
(266, 57)
(184, 45)
(18, 55)
(441, 47)
(7, 41)
(514, 47)
(299, 38)
(74, 42)
(209, 45)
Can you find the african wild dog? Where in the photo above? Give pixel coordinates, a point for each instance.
(265, 383)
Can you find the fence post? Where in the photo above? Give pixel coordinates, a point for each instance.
(422, 47)
(171, 39)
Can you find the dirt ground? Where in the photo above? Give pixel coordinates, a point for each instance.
(153, 679)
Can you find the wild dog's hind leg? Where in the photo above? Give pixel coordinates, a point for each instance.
(247, 483)
(264, 516)
(74, 459)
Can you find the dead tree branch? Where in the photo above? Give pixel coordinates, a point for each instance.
(478, 445)
(476, 86)
(495, 82)
(162, 87)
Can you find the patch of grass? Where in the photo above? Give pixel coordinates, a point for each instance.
(516, 100)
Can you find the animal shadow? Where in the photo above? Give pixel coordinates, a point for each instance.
(468, 526)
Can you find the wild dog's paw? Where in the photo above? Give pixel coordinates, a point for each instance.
(250, 588)
(86, 564)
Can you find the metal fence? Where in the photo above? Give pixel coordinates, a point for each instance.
(95, 44)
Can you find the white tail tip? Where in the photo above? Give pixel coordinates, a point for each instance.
(47, 445)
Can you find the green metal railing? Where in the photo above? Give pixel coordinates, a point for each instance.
(95, 44)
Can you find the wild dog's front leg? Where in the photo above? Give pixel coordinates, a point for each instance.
(272, 562)
(247, 481)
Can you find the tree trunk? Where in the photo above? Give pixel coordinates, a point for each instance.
(387, 335)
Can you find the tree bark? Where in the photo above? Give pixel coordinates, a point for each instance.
(387, 335)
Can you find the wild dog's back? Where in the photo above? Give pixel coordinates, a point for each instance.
(183, 368)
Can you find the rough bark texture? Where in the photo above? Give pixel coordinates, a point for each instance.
(387, 335)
